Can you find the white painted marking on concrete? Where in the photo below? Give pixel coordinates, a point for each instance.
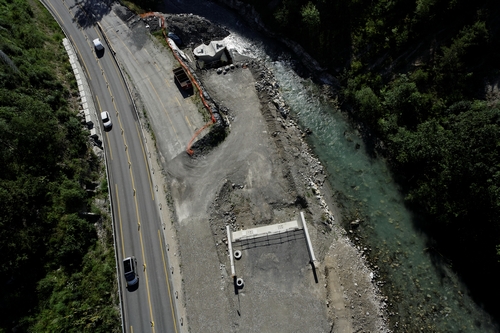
(266, 230)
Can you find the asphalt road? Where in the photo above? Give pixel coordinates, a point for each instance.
(134, 205)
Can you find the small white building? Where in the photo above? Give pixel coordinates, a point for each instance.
(215, 51)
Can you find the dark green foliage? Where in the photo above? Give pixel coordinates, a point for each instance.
(143, 6)
(368, 103)
(80, 302)
(56, 276)
(461, 156)
(415, 73)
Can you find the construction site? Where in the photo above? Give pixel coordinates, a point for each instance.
(252, 230)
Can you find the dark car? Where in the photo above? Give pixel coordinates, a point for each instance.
(130, 271)
(175, 38)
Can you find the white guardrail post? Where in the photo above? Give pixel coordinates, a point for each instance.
(230, 245)
(308, 240)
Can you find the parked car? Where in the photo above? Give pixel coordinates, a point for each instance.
(177, 40)
(106, 120)
(130, 271)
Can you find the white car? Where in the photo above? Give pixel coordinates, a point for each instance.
(106, 120)
(97, 44)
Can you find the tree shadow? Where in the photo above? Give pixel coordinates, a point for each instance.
(89, 12)
(315, 274)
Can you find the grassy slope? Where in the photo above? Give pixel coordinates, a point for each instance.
(57, 274)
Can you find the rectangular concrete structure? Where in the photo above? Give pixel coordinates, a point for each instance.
(93, 133)
(88, 120)
(265, 230)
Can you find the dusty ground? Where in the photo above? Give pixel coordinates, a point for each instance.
(262, 173)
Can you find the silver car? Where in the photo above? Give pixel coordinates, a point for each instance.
(106, 120)
(130, 271)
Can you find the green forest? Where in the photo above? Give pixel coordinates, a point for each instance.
(418, 76)
(58, 275)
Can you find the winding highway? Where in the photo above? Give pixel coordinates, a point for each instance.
(148, 308)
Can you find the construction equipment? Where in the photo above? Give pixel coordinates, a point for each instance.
(182, 78)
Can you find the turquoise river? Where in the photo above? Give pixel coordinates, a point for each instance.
(425, 296)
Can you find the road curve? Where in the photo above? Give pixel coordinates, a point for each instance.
(134, 204)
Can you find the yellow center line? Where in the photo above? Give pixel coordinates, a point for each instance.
(145, 162)
(107, 137)
(146, 273)
(123, 131)
(135, 194)
(98, 103)
(107, 83)
(139, 225)
(159, 70)
(159, 99)
(106, 79)
(122, 82)
(109, 147)
(116, 186)
(189, 123)
(124, 141)
(120, 220)
(166, 280)
(140, 238)
(54, 10)
(186, 117)
(72, 15)
(142, 246)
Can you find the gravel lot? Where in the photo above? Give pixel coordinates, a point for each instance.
(262, 173)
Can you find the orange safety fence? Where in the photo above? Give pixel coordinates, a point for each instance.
(143, 15)
(191, 77)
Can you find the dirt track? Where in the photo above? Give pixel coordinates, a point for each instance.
(262, 173)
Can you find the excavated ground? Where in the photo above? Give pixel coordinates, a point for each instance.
(262, 173)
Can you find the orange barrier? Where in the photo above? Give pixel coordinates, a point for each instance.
(191, 77)
(143, 15)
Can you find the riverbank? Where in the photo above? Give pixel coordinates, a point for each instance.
(354, 302)
(345, 296)
(262, 173)
(410, 278)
